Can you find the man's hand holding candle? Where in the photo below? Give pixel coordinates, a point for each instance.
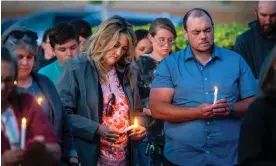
(222, 108)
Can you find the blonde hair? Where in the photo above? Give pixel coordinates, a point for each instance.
(105, 38)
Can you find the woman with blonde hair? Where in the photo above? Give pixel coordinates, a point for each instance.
(96, 89)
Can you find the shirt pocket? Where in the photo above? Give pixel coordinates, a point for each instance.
(228, 86)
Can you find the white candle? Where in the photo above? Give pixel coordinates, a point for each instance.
(39, 100)
(23, 133)
(134, 126)
(215, 95)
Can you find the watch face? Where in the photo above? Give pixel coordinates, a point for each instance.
(232, 107)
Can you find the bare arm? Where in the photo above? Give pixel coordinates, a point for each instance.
(161, 108)
(242, 106)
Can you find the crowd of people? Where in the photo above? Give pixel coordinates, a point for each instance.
(119, 97)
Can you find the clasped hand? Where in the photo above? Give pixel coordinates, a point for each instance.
(111, 134)
(220, 108)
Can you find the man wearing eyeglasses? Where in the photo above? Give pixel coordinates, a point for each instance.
(64, 41)
(200, 129)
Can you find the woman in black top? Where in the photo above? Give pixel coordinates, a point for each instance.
(257, 144)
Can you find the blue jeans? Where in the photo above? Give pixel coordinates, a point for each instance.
(142, 159)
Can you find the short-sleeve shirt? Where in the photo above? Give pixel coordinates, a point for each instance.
(52, 71)
(204, 142)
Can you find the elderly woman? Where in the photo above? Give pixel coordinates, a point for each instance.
(22, 43)
(96, 89)
(257, 145)
(41, 143)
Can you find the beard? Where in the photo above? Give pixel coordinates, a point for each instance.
(267, 33)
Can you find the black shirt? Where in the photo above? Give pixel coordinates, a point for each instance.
(254, 48)
(257, 144)
(144, 69)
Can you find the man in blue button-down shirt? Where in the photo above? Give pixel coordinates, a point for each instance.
(199, 132)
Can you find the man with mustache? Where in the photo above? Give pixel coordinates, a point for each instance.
(200, 130)
(256, 43)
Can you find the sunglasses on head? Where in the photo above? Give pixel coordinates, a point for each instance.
(111, 101)
(17, 34)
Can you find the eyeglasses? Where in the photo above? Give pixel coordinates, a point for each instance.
(109, 108)
(17, 34)
(163, 42)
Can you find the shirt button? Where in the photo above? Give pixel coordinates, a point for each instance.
(205, 79)
(208, 137)
(208, 122)
(207, 93)
(207, 152)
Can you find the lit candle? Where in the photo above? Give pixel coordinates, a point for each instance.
(215, 95)
(15, 82)
(134, 126)
(39, 100)
(23, 133)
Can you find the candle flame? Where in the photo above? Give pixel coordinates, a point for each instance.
(135, 122)
(15, 82)
(24, 122)
(39, 100)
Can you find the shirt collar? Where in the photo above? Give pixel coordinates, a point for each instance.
(215, 54)
(59, 65)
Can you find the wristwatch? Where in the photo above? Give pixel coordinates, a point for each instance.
(232, 107)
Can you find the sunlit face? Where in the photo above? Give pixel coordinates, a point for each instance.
(7, 80)
(199, 33)
(266, 14)
(25, 62)
(66, 51)
(162, 42)
(142, 47)
(47, 49)
(82, 42)
(114, 54)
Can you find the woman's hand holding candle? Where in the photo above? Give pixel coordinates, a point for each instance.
(110, 134)
(132, 127)
(12, 156)
(138, 133)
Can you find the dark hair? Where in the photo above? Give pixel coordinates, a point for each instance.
(196, 12)
(141, 34)
(46, 35)
(268, 81)
(14, 97)
(83, 28)
(8, 57)
(62, 33)
(163, 23)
